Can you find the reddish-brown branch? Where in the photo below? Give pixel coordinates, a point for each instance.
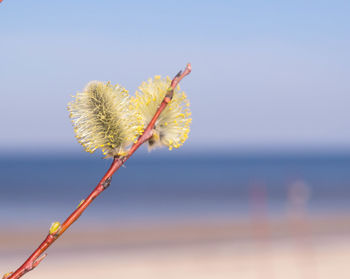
(35, 259)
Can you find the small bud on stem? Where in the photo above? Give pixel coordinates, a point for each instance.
(55, 227)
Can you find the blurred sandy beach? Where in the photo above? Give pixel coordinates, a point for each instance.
(315, 248)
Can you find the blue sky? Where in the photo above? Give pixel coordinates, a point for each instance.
(266, 74)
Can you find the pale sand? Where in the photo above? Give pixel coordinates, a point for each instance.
(176, 253)
(219, 261)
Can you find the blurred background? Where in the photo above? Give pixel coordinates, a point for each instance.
(261, 188)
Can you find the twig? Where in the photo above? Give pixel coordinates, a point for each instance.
(37, 256)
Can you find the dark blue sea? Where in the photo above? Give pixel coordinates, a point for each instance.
(162, 187)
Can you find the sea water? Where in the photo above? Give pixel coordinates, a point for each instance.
(153, 187)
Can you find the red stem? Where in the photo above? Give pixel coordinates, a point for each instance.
(37, 256)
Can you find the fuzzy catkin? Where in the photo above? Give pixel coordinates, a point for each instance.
(173, 125)
(103, 118)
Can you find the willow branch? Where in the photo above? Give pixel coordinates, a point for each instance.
(38, 255)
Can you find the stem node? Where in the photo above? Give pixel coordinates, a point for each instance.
(106, 183)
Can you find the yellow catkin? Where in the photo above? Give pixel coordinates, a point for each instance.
(104, 118)
(173, 125)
